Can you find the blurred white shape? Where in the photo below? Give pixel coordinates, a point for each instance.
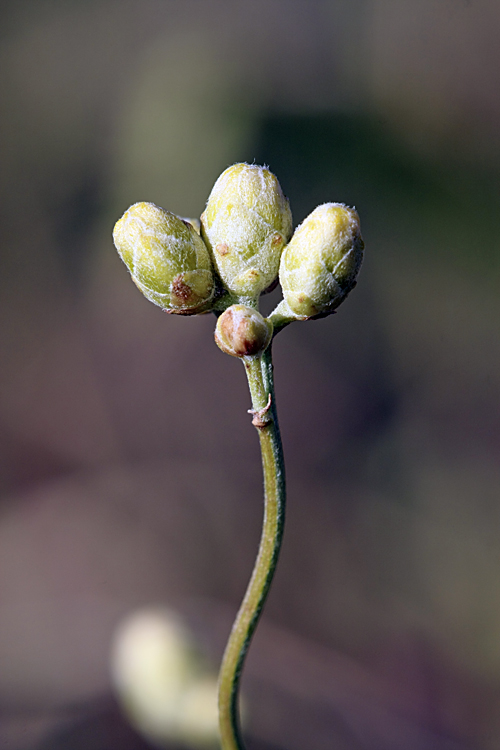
(162, 681)
(199, 712)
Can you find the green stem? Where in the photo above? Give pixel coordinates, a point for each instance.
(260, 380)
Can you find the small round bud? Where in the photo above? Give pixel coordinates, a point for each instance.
(246, 224)
(319, 266)
(167, 259)
(242, 331)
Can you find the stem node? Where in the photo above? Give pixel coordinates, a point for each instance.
(260, 416)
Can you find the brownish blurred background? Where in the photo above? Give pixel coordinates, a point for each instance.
(130, 471)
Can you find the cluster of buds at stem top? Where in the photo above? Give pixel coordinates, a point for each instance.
(234, 253)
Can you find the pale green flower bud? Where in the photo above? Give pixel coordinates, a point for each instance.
(166, 257)
(319, 266)
(243, 332)
(246, 224)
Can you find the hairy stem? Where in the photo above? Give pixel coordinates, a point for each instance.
(260, 380)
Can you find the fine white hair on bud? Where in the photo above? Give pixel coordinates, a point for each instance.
(246, 225)
(166, 257)
(319, 266)
(243, 332)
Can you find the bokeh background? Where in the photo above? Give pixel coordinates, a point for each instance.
(130, 472)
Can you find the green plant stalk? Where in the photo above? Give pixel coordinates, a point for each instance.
(259, 371)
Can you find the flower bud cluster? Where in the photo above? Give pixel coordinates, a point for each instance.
(237, 250)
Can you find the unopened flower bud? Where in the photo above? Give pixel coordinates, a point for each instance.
(246, 224)
(167, 259)
(319, 266)
(242, 331)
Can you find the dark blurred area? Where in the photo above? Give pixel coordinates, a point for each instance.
(130, 472)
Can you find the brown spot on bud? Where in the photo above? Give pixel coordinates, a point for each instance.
(277, 240)
(180, 290)
(235, 329)
(222, 248)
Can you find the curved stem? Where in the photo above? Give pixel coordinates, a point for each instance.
(260, 380)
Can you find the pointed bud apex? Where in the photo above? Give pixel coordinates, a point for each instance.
(243, 332)
(246, 224)
(167, 259)
(320, 264)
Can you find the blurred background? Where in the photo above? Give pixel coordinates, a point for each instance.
(130, 473)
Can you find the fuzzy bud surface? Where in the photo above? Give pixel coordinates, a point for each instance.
(166, 257)
(319, 266)
(246, 224)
